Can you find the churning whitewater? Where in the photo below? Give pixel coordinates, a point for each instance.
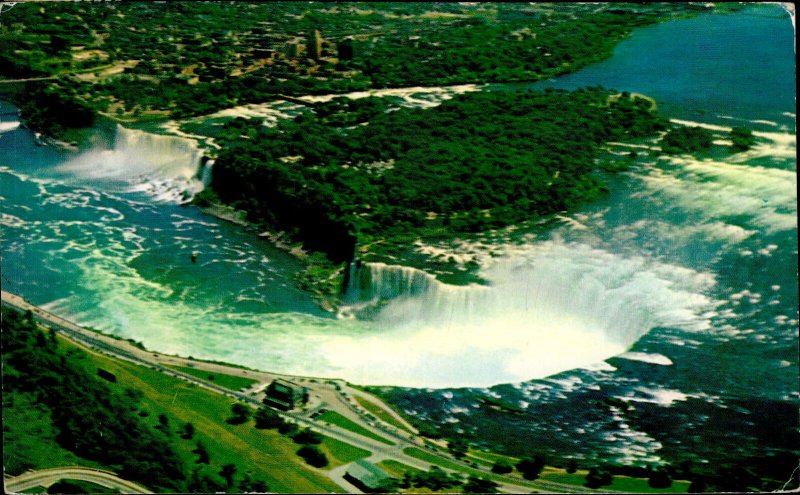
(568, 298)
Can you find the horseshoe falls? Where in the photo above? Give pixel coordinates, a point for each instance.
(677, 292)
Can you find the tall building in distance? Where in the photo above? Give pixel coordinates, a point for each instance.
(314, 45)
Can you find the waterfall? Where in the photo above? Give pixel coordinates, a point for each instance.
(546, 289)
(168, 168)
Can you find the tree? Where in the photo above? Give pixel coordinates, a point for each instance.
(502, 467)
(457, 447)
(742, 138)
(203, 482)
(241, 413)
(250, 485)
(313, 456)
(65, 486)
(598, 477)
(530, 468)
(188, 431)
(307, 437)
(698, 485)
(227, 472)
(660, 479)
(480, 485)
(202, 454)
(266, 418)
(572, 466)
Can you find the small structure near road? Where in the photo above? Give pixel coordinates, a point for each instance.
(285, 395)
(367, 476)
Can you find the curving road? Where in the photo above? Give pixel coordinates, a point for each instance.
(47, 477)
(332, 394)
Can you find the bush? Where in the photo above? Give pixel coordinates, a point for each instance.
(686, 140)
(313, 456)
(307, 437)
(598, 477)
(742, 138)
(531, 468)
(502, 467)
(660, 479)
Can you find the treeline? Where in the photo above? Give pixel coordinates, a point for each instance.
(478, 161)
(92, 421)
(523, 47)
(53, 109)
(694, 139)
(187, 53)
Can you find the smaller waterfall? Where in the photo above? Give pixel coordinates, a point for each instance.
(168, 168)
(371, 285)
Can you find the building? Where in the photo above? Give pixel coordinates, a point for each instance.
(285, 395)
(366, 476)
(314, 45)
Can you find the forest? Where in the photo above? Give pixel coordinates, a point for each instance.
(136, 61)
(89, 420)
(478, 161)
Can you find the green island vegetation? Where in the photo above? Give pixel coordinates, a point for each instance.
(222, 379)
(742, 138)
(143, 61)
(164, 433)
(686, 140)
(506, 157)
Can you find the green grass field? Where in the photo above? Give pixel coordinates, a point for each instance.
(265, 454)
(623, 484)
(339, 452)
(637, 485)
(337, 419)
(490, 458)
(380, 413)
(224, 380)
(447, 464)
(396, 469)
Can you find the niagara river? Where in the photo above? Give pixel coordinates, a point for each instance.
(679, 287)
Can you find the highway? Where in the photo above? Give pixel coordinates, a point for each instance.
(46, 477)
(333, 395)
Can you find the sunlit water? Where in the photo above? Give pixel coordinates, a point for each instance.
(688, 259)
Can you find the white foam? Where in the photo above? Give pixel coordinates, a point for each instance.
(768, 196)
(8, 126)
(167, 168)
(644, 357)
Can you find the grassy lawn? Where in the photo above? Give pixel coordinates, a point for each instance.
(433, 459)
(380, 413)
(337, 419)
(339, 452)
(560, 476)
(623, 484)
(490, 458)
(29, 439)
(396, 469)
(228, 381)
(638, 485)
(265, 454)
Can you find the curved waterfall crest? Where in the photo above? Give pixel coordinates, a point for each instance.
(545, 288)
(168, 168)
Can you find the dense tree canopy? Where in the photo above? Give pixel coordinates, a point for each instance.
(92, 421)
(479, 161)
